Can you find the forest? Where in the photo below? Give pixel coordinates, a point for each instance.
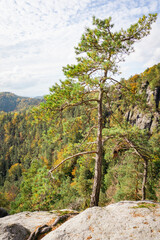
(11, 102)
(94, 140)
(30, 146)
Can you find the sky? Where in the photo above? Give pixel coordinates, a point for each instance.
(37, 39)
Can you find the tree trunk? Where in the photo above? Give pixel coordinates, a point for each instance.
(145, 172)
(98, 161)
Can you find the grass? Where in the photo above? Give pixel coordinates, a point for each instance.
(145, 205)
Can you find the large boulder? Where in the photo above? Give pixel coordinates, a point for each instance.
(124, 220)
(20, 225)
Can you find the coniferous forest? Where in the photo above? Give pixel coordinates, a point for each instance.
(48, 152)
(30, 146)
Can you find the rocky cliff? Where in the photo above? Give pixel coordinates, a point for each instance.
(149, 119)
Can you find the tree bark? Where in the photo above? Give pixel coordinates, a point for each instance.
(145, 173)
(98, 161)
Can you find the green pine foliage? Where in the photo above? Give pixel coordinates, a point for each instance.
(36, 190)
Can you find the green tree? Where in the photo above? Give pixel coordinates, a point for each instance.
(36, 191)
(99, 53)
(134, 156)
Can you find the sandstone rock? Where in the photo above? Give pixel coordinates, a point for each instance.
(22, 224)
(150, 120)
(157, 96)
(150, 94)
(14, 231)
(155, 122)
(153, 96)
(124, 220)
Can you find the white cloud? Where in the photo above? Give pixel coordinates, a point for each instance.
(147, 53)
(37, 38)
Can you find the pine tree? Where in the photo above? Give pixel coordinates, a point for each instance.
(99, 53)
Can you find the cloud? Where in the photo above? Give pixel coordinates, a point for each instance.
(147, 53)
(37, 38)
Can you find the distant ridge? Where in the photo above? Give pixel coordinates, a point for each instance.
(39, 97)
(11, 102)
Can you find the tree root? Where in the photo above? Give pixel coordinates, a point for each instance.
(47, 228)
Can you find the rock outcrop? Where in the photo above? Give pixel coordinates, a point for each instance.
(142, 120)
(14, 231)
(123, 220)
(150, 120)
(20, 225)
(129, 220)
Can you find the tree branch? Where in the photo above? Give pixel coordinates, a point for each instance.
(136, 149)
(106, 139)
(70, 157)
(65, 105)
(114, 80)
(103, 140)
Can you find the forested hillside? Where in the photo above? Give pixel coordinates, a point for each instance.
(11, 102)
(33, 142)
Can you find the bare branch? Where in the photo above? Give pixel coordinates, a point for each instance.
(106, 139)
(94, 70)
(65, 105)
(114, 80)
(136, 149)
(70, 157)
(92, 91)
(89, 143)
(103, 140)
